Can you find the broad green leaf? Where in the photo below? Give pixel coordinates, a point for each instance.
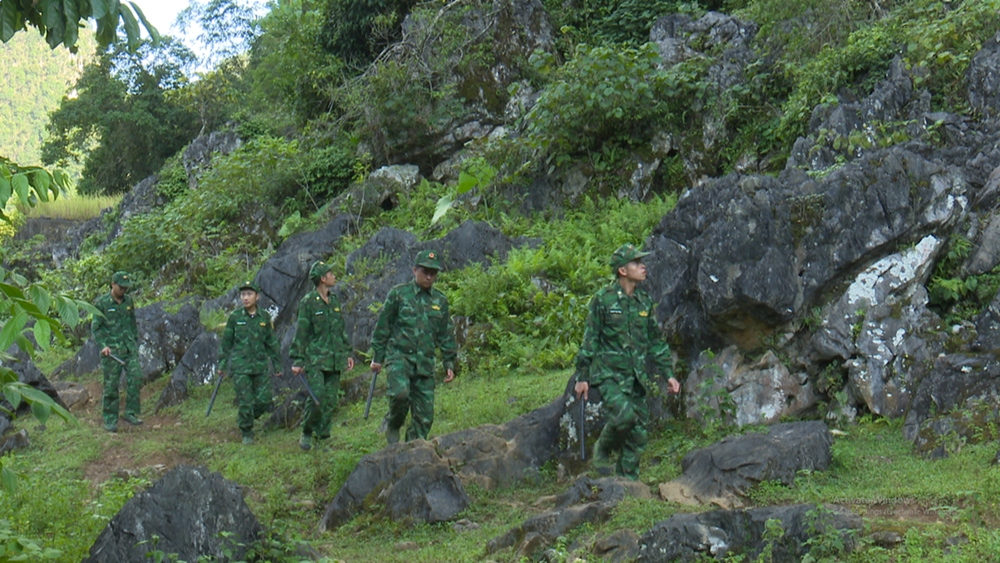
(9, 479)
(68, 311)
(99, 8)
(4, 189)
(12, 329)
(442, 207)
(21, 187)
(154, 33)
(131, 27)
(466, 182)
(43, 184)
(13, 395)
(36, 397)
(41, 411)
(9, 22)
(40, 297)
(43, 334)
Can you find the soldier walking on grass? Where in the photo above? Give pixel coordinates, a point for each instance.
(117, 336)
(620, 335)
(413, 324)
(320, 351)
(247, 344)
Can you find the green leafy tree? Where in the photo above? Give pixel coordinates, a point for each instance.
(356, 31)
(127, 119)
(227, 27)
(59, 20)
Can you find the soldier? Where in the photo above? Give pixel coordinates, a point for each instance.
(620, 334)
(116, 334)
(247, 343)
(414, 323)
(319, 352)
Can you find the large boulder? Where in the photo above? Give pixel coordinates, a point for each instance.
(588, 501)
(952, 383)
(722, 533)
(745, 255)
(198, 366)
(20, 363)
(762, 391)
(983, 78)
(723, 472)
(880, 328)
(413, 479)
(418, 474)
(190, 514)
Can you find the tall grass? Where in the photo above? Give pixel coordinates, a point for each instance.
(71, 207)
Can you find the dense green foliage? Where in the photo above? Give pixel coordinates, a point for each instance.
(319, 101)
(33, 79)
(124, 123)
(59, 20)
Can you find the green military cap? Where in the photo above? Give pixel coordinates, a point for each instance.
(250, 285)
(318, 270)
(625, 254)
(122, 279)
(428, 259)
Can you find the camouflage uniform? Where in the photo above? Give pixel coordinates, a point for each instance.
(117, 330)
(414, 322)
(321, 348)
(247, 344)
(620, 335)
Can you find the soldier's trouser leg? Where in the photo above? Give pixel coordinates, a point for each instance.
(133, 384)
(112, 377)
(398, 373)
(263, 399)
(421, 407)
(623, 414)
(244, 395)
(326, 386)
(634, 442)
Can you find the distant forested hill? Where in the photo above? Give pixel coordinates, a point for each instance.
(33, 79)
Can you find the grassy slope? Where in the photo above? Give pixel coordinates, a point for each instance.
(74, 477)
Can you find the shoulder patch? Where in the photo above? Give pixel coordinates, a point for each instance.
(263, 324)
(435, 307)
(643, 313)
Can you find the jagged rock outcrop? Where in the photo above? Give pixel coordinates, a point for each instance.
(198, 366)
(588, 501)
(719, 533)
(983, 77)
(723, 472)
(881, 328)
(740, 257)
(951, 382)
(199, 154)
(425, 479)
(20, 363)
(192, 512)
(763, 391)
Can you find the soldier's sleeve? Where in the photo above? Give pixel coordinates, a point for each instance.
(345, 344)
(383, 327)
(226, 344)
(446, 337)
(659, 350)
(591, 334)
(273, 348)
(99, 326)
(303, 329)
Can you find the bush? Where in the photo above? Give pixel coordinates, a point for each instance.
(605, 95)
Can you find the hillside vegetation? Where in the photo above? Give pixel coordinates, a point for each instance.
(328, 91)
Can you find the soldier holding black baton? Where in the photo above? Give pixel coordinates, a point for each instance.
(319, 352)
(117, 335)
(247, 344)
